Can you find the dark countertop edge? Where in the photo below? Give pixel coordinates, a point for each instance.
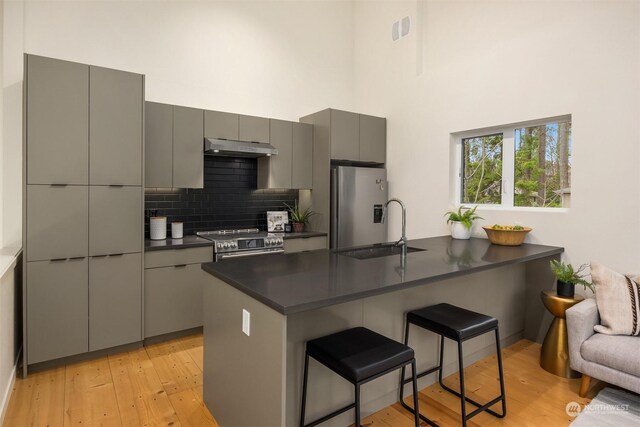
(190, 242)
(148, 243)
(303, 235)
(373, 292)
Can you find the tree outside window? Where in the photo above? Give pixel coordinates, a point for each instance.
(543, 165)
(482, 171)
(522, 166)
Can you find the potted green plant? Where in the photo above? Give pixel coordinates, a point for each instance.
(461, 221)
(568, 278)
(299, 217)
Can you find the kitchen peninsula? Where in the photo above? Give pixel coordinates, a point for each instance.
(296, 297)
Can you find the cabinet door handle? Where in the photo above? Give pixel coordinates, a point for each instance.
(59, 185)
(76, 258)
(58, 259)
(180, 266)
(116, 255)
(116, 185)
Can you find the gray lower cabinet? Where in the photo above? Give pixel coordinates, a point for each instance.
(302, 157)
(304, 244)
(57, 121)
(115, 222)
(253, 129)
(115, 127)
(158, 145)
(188, 148)
(173, 298)
(345, 135)
(373, 139)
(57, 309)
(57, 222)
(218, 124)
(115, 300)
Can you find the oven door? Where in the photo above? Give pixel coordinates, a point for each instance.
(242, 254)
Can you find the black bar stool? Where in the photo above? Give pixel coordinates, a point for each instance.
(458, 325)
(358, 355)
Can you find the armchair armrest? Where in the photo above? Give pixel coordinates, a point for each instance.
(581, 318)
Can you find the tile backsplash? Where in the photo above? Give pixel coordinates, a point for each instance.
(228, 200)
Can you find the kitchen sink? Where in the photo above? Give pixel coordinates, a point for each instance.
(375, 251)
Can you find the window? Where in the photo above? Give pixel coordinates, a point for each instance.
(525, 165)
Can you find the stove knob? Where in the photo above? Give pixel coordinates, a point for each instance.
(267, 242)
(219, 245)
(234, 245)
(226, 245)
(280, 241)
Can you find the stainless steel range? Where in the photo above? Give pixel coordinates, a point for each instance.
(244, 242)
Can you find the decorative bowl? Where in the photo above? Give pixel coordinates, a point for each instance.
(506, 237)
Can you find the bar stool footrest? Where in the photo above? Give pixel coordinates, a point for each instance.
(421, 374)
(422, 417)
(331, 415)
(480, 406)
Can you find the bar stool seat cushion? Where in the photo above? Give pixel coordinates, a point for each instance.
(451, 321)
(359, 353)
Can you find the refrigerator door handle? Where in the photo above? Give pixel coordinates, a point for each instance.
(333, 238)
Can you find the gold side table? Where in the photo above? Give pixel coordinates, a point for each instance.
(554, 355)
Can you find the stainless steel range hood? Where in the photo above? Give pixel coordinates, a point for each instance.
(228, 148)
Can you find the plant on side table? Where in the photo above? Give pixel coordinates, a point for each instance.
(568, 278)
(461, 222)
(299, 217)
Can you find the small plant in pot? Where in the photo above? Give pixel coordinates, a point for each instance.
(299, 217)
(461, 221)
(568, 278)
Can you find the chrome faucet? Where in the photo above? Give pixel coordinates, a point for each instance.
(403, 240)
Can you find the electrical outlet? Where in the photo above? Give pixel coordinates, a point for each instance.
(246, 322)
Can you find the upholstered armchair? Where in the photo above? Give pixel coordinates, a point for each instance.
(614, 359)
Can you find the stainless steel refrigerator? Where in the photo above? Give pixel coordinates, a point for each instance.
(358, 195)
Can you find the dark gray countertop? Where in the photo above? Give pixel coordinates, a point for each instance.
(302, 235)
(169, 243)
(304, 281)
(193, 241)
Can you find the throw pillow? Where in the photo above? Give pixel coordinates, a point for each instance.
(618, 301)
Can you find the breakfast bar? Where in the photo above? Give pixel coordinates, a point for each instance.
(259, 313)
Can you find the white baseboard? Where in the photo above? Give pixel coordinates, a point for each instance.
(6, 395)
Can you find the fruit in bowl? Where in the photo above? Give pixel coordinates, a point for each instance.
(506, 235)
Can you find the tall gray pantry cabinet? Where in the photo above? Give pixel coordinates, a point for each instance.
(83, 197)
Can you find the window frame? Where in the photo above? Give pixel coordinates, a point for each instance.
(508, 164)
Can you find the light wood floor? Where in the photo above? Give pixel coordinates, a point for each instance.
(161, 385)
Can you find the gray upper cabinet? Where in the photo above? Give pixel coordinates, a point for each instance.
(57, 222)
(293, 166)
(57, 311)
(373, 139)
(158, 145)
(115, 300)
(115, 220)
(188, 147)
(57, 124)
(345, 135)
(275, 171)
(253, 129)
(115, 127)
(302, 159)
(218, 124)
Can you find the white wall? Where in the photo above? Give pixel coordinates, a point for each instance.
(475, 64)
(11, 145)
(272, 58)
